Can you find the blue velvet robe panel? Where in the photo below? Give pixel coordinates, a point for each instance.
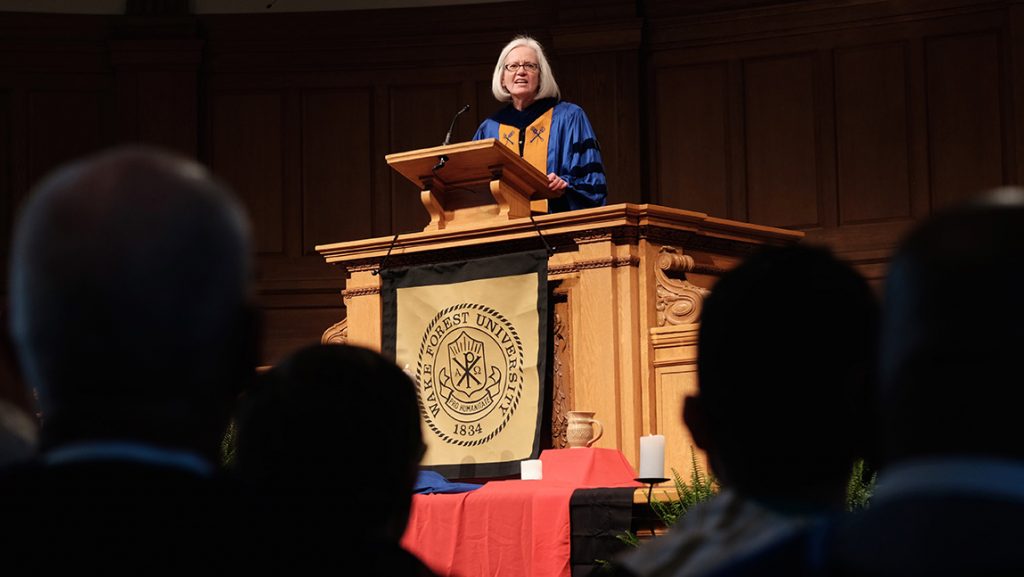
(573, 151)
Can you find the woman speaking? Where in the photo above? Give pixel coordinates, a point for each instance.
(552, 135)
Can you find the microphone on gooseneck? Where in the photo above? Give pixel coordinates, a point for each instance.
(448, 137)
(444, 159)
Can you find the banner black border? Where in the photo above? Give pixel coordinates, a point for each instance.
(461, 271)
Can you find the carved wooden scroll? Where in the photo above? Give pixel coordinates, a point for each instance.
(337, 334)
(679, 301)
(561, 370)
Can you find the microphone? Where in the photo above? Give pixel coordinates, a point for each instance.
(448, 137)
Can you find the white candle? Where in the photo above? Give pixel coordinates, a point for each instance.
(652, 457)
(531, 469)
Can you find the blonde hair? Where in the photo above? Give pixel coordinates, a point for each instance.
(547, 87)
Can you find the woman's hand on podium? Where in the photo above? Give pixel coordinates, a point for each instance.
(556, 183)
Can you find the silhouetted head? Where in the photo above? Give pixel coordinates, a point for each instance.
(334, 431)
(785, 354)
(953, 328)
(130, 300)
(12, 389)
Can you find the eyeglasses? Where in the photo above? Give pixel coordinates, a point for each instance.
(528, 66)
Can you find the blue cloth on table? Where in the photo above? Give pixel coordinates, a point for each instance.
(430, 482)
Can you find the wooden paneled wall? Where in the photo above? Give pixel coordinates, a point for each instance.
(849, 120)
(300, 111)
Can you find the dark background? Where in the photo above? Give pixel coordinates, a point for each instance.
(847, 119)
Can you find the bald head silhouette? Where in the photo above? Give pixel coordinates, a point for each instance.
(129, 286)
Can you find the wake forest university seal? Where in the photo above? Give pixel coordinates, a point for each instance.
(470, 373)
(473, 336)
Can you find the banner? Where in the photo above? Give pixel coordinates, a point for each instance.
(473, 335)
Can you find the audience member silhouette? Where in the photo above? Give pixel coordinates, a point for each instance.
(18, 429)
(332, 437)
(786, 348)
(951, 496)
(131, 316)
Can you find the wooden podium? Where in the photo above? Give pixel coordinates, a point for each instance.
(627, 284)
(472, 183)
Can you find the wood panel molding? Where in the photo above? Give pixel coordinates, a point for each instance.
(873, 129)
(625, 34)
(717, 22)
(695, 97)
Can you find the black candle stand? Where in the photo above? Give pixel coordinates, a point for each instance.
(650, 482)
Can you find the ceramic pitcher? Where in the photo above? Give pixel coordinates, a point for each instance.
(580, 430)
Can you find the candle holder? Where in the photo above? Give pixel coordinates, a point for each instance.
(650, 482)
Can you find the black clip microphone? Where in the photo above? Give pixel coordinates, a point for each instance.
(384, 261)
(448, 138)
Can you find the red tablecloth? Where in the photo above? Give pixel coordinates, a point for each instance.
(511, 528)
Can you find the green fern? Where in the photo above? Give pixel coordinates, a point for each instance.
(702, 486)
(227, 446)
(628, 538)
(860, 487)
